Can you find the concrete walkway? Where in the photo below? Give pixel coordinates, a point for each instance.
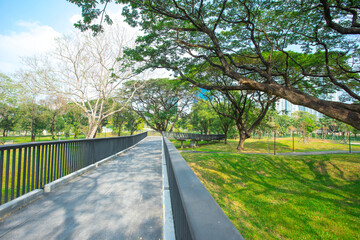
(121, 199)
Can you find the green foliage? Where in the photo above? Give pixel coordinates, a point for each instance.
(202, 117)
(283, 145)
(160, 102)
(75, 121)
(128, 119)
(133, 122)
(8, 104)
(304, 121)
(35, 118)
(284, 197)
(285, 48)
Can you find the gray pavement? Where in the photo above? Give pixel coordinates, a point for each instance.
(121, 199)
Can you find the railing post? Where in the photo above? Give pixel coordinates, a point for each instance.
(1, 174)
(293, 141)
(37, 167)
(7, 175)
(28, 166)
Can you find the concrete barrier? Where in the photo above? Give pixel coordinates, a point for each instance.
(20, 202)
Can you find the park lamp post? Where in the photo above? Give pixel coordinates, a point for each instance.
(349, 142)
(293, 140)
(274, 127)
(275, 142)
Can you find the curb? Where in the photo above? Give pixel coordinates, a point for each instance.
(64, 180)
(19, 202)
(168, 218)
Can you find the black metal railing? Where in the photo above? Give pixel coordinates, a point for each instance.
(195, 212)
(28, 166)
(193, 136)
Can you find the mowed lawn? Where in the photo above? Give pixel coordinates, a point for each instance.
(267, 145)
(285, 197)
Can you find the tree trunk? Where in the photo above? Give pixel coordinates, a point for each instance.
(76, 132)
(93, 128)
(32, 131)
(91, 133)
(242, 137)
(240, 145)
(33, 135)
(347, 113)
(52, 131)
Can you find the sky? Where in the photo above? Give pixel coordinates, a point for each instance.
(29, 27)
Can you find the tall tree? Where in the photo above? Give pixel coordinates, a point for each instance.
(161, 102)
(34, 116)
(8, 104)
(133, 122)
(223, 108)
(247, 109)
(87, 71)
(202, 116)
(250, 42)
(305, 122)
(55, 108)
(75, 120)
(118, 120)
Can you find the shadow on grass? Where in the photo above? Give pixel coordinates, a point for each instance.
(285, 197)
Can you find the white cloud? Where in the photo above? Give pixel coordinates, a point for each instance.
(75, 18)
(34, 39)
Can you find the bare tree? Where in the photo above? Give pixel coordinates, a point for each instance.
(88, 71)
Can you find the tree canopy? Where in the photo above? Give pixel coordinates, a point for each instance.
(160, 102)
(255, 43)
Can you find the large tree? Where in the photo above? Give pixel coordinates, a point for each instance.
(8, 104)
(246, 108)
(87, 71)
(202, 117)
(250, 42)
(161, 102)
(55, 108)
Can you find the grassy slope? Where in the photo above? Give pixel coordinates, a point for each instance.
(282, 145)
(285, 197)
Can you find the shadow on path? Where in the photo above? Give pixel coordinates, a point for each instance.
(121, 199)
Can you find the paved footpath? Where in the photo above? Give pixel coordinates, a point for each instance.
(121, 199)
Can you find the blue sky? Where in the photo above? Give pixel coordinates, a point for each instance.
(55, 13)
(28, 27)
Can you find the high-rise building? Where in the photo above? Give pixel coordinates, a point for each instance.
(285, 107)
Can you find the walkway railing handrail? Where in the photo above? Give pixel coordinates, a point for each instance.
(196, 214)
(194, 136)
(28, 166)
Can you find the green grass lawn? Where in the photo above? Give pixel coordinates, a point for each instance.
(284, 197)
(267, 145)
